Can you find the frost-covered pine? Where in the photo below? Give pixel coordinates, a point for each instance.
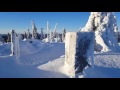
(118, 37)
(48, 28)
(25, 35)
(21, 37)
(57, 39)
(104, 25)
(28, 34)
(42, 34)
(9, 38)
(63, 35)
(55, 31)
(34, 31)
(51, 37)
(1, 39)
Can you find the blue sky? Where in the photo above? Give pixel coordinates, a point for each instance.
(20, 21)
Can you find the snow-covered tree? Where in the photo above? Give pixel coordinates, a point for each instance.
(118, 37)
(28, 34)
(104, 25)
(48, 28)
(1, 39)
(25, 35)
(57, 39)
(63, 34)
(51, 36)
(55, 31)
(9, 38)
(21, 37)
(42, 34)
(34, 31)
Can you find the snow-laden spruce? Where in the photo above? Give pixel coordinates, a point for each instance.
(104, 24)
(63, 34)
(28, 34)
(34, 31)
(42, 34)
(1, 40)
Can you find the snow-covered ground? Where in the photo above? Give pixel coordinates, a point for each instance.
(46, 60)
(106, 65)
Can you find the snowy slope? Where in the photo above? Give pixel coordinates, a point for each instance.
(56, 66)
(9, 68)
(32, 55)
(106, 65)
(43, 54)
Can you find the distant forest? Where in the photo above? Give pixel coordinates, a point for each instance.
(5, 36)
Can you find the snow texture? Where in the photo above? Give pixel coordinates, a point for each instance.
(33, 54)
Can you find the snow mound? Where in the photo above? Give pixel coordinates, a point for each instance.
(43, 52)
(30, 46)
(56, 66)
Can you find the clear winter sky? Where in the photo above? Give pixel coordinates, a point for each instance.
(20, 21)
